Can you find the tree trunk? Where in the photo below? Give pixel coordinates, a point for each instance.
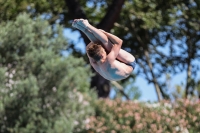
(188, 83)
(188, 61)
(102, 85)
(158, 89)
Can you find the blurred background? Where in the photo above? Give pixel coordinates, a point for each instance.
(48, 85)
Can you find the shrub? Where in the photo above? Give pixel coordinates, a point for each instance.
(133, 117)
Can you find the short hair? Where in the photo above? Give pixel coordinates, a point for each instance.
(94, 51)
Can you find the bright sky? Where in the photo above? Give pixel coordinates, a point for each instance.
(147, 90)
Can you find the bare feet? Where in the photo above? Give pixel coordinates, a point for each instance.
(80, 23)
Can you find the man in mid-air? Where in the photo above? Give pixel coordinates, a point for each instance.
(105, 53)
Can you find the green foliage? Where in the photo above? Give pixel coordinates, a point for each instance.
(133, 117)
(11, 8)
(41, 91)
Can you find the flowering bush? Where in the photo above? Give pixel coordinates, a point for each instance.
(133, 117)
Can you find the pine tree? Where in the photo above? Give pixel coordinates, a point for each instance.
(40, 90)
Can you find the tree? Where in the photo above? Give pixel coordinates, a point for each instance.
(139, 30)
(156, 31)
(40, 90)
(185, 33)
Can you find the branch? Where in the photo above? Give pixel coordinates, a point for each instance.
(107, 23)
(120, 88)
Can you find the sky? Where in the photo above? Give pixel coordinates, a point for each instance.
(148, 92)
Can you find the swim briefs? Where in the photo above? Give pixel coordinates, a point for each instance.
(133, 64)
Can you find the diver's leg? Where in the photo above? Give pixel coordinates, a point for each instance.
(89, 34)
(95, 35)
